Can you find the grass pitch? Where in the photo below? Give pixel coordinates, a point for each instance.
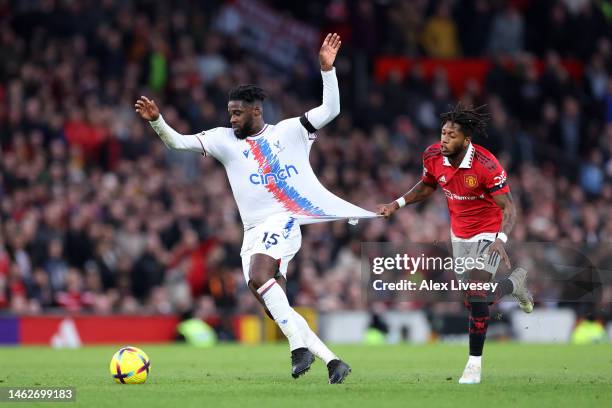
(259, 376)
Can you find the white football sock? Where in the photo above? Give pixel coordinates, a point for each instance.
(313, 342)
(476, 360)
(278, 305)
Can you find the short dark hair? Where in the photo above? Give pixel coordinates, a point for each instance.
(247, 93)
(470, 119)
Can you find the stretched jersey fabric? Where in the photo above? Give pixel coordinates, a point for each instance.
(269, 172)
(469, 188)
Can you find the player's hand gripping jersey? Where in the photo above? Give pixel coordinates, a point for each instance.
(469, 189)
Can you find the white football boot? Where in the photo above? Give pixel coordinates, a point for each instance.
(471, 374)
(520, 292)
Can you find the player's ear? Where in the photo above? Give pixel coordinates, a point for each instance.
(257, 110)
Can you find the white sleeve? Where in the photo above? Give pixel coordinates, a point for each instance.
(174, 140)
(330, 108)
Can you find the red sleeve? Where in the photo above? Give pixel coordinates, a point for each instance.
(496, 182)
(428, 176)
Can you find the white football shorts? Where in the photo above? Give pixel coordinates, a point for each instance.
(279, 237)
(475, 249)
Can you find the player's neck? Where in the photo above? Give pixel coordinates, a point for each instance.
(456, 159)
(257, 127)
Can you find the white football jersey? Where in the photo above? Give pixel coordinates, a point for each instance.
(270, 173)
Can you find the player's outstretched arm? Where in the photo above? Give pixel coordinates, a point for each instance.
(330, 107)
(148, 110)
(417, 193)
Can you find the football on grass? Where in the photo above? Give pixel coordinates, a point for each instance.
(130, 365)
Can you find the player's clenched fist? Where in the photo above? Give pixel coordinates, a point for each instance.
(387, 209)
(147, 108)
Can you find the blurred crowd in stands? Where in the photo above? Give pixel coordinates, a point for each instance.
(96, 215)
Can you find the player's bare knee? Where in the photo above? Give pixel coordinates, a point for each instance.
(479, 275)
(257, 277)
(262, 269)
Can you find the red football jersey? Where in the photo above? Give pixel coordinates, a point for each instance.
(469, 189)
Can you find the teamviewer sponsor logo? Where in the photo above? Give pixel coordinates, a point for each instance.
(453, 196)
(266, 178)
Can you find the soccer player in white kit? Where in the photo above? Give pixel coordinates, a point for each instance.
(273, 184)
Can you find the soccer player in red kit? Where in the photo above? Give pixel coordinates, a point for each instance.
(482, 215)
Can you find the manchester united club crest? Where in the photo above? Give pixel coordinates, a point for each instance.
(470, 180)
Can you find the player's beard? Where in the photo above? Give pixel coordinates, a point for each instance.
(244, 131)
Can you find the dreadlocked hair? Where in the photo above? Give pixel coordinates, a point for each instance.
(472, 120)
(247, 93)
